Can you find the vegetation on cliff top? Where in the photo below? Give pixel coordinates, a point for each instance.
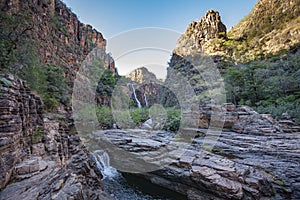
(270, 86)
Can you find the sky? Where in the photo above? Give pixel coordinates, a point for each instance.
(129, 20)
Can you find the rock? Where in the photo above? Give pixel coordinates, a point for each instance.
(241, 119)
(288, 126)
(256, 123)
(38, 149)
(147, 124)
(283, 14)
(27, 167)
(229, 107)
(22, 127)
(186, 161)
(40, 159)
(73, 40)
(196, 173)
(198, 33)
(245, 110)
(143, 76)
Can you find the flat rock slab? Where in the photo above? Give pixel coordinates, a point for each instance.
(239, 166)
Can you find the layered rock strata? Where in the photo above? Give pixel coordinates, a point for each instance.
(40, 157)
(239, 166)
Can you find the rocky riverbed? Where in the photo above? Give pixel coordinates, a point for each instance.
(42, 158)
(240, 166)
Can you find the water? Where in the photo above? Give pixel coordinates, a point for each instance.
(130, 187)
(135, 97)
(145, 97)
(103, 163)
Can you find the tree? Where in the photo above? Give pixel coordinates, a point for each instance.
(13, 29)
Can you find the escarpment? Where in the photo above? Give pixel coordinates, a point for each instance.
(52, 33)
(41, 157)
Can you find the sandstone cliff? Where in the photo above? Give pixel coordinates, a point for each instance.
(267, 40)
(142, 75)
(40, 157)
(199, 33)
(272, 26)
(55, 32)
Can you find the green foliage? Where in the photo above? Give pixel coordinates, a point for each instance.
(59, 24)
(14, 42)
(123, 119)
(85, 113)
(37, 136)
(106, 83)
(4, 82)
(139, 115)
(271, 85)
(104, 116)
(174, 118)
(127, 118)
(49, 83)
(276, 109)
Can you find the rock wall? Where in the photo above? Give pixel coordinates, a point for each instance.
(21, 124)
(61, 38)
(142, 76)
(271, 26)
(198, 33)
(275, 22)
(40, 157)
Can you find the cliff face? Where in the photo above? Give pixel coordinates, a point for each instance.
(142, 75)
(199, 33)
(149, 90)
(21, 125)
(60, 38)
(272, 26)
(40, 157)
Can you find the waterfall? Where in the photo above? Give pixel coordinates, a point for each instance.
(145, 97)
(135, 97)
(103, 163)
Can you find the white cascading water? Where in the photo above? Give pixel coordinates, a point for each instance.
(135, 97)
(115, 184)
(103, 163)
(145, 97)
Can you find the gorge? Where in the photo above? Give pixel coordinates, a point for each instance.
(223, 125)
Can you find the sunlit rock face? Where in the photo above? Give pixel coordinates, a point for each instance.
(62, 39)
(142, 75)
(198, 33)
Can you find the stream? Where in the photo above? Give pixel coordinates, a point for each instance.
(130, 187)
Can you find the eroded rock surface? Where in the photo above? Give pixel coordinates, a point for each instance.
(240, 166)
(39, 157)
(62, 39)
(200, 32)
(241, 119)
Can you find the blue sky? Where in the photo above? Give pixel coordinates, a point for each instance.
(112, 17)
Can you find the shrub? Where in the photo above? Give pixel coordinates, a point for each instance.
(105, 117)
(173, 120)
(37, 136)
(49, 83)
(139, 115)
